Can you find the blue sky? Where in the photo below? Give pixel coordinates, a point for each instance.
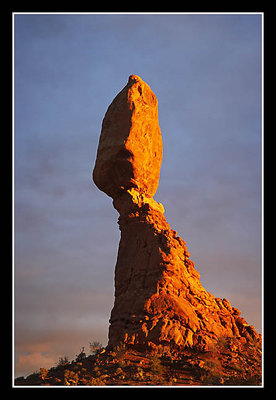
(206, 73)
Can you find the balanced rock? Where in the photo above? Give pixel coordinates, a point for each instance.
(130, 148)
(159, 299)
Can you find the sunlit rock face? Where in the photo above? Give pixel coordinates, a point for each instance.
(159, 299)
(130, 148)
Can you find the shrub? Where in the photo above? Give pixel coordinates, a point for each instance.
(81, 356)
(120, 350)
(222, 343)
(155, 364)
(252, 380)
(120, 373)
(210, 373)
(235, 367)
(140, 374)
(20, 380)
(62, 361)
(119, 353)
(95, 347)
(97, 370)
(95, 382)
(43, 372)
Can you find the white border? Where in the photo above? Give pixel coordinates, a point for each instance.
(13, 190)
(262, 201)
(13, 193)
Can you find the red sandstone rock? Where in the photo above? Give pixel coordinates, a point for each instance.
(159, 299)
(130, 147)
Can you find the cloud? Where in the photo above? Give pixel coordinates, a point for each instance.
(59, 322)
(30, 362)
(42, 348)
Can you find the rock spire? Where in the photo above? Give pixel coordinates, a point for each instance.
(159, 299)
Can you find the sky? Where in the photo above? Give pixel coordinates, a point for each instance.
(206, 71)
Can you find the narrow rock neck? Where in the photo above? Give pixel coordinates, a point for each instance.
(132, 200)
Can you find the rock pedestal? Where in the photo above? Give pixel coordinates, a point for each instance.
(159, 299)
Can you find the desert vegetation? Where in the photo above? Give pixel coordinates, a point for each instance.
(227, 363)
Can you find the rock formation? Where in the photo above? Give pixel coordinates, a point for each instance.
(130, 148)
(159, 299)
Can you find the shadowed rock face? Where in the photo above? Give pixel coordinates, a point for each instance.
(159, 299)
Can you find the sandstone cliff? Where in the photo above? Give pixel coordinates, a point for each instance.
(159, 299)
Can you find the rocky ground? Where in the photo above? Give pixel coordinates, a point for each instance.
(228, 363)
